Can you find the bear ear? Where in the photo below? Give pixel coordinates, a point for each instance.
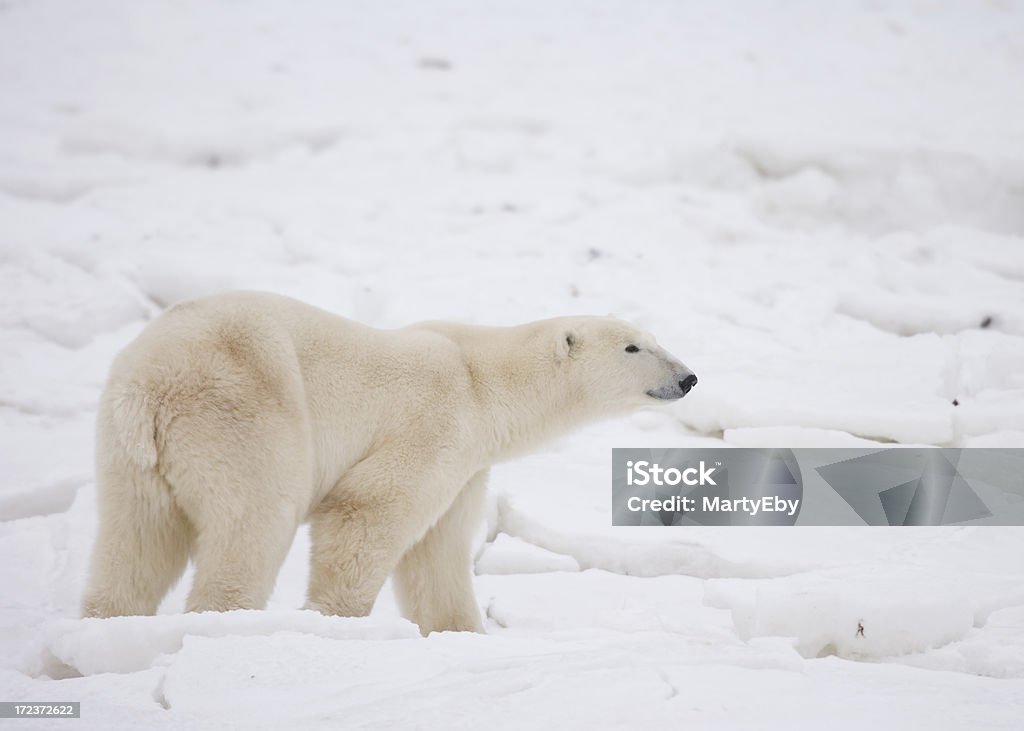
(565, 344)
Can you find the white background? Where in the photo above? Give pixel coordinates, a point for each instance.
(816, 206)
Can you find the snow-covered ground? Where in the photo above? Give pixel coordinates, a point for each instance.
(818, 206)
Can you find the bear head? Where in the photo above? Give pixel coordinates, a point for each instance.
(617, 366)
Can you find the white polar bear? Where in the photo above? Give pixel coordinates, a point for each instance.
(233, 419)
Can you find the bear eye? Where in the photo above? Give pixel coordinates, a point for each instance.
(632, 349)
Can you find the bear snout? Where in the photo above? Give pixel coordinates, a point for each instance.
(679, 388)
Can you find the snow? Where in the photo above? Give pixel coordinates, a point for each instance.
(508, 555)
(129, 644)
(817, 206)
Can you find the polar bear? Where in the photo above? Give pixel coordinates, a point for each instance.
(233, 419)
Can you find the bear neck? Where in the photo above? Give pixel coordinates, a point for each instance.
(523, 396)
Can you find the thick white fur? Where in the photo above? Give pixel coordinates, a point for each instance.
(232, 419)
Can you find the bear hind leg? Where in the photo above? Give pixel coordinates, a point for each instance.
(142, 546)
(237, 563)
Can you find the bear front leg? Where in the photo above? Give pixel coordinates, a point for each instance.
(434, 579)
(376, 512)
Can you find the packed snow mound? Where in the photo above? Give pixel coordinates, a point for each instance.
(508, 555)
(861, 613)
(602, 600)
(995, 650)
(847, 614)
(128, 644)
(871, 189)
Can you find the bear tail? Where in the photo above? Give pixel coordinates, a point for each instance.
(130, 424)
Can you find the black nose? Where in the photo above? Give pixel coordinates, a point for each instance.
(688, 383)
